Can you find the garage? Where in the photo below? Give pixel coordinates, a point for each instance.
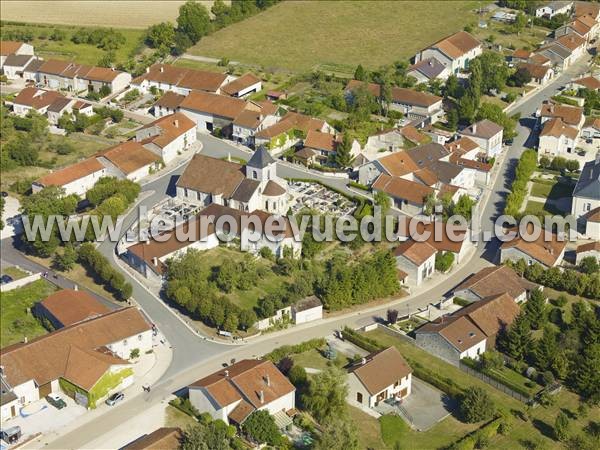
(45, 389)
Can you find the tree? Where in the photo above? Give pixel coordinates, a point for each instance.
(338, 434)
(545, 349)
(22, 150)
(343, 151)
(326, 395)
(517, 339)
(66, 260)
(491, 360)
(520, 78)
(298, 376)
(544, 162)
(453, 87)
(589, 265)
(260, 427)
(247, 318)
(181, 43)
(586, 374)
(520, 22)
(215, 435)
(160, 35)
(360, 73)
(561, 426)
(476, 405)
(494, 113)
(494, 71)
(535, 310)
(382, 200)
(392, 316)
(443, 261)
(193, 20)
(464, 207)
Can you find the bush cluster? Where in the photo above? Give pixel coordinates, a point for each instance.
(368, 344)
(101, 268)
(281, 352)
(525, 168)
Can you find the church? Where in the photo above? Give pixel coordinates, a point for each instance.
(254, 186)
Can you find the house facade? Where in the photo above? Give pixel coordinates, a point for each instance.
(557, 139)
(232, 394)
(547, 248)
(377, 377)
(76, 179)
(454, 52)
(8, 48)
(586, 195)
(552, 9)
(416, 259)
(487, 134)
(168, 136)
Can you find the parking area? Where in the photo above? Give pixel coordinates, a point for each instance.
(423, 408)
(320, 199)
(41, 417)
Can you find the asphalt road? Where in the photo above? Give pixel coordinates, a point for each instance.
(195, 357)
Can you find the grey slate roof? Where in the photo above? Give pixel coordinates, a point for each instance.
(261, 159)
(59, 104)
(17, 60)
(426, 155)
(445, 171)
(588, 185)
(429, 68)
(244, 191)
(34, 65)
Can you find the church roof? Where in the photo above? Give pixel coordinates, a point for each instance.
(260, 159)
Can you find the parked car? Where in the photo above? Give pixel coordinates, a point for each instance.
(10, 435)
(56, 401)
(115, 398)
(5, 279)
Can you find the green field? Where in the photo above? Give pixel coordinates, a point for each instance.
(339, 35)
(66, 49)
(551, 190)
(16, 322)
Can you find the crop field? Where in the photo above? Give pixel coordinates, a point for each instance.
(118, 14)
(302, 35)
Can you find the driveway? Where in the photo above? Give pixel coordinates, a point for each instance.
(423, 408)
(45, 418)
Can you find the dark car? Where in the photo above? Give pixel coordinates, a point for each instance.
(5, 279)
(4, 194)
(115, 398)
(56, 401)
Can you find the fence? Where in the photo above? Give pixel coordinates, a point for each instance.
(494, 383)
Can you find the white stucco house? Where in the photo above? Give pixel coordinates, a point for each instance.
(416, 259)
(557, 139)
(76, 179)
(454, 52)
(78, 355)
(168, 136)
(8, 48)
(551, 9)
(377, 377)
(591, 249)
(470, 331)
(234, 393)
(487, 134)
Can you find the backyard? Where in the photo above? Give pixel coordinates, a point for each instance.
(303, 35)
(528, 425)
(16, 322)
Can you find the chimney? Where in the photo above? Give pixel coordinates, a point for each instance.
(261, 396)
(75, 287)
(2, 370)
(430, 63)
(162, 69)
(155, 261)
(176, 123)
(226, 373)
(229, 156)
(474, 128)
(267, 380)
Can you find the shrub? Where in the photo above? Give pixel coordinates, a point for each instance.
(443, 261)
(368, 344)
(476, 405)
(286, 350)
(134, 353)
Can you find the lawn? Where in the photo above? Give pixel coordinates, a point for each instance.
(14, 272)
(66, 49)
(312, 359)
(536, 428)
(16, 322)
(537, 208)
(369, 434)
(177, 418)
(551, 190)
(84, 145)
(246, 299)
(336, 35)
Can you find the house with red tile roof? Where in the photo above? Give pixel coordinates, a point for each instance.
(536, 246)
(492, 281)
(416, 259)
(454, 52)
(75, 359)
(34, 99)
(70, 76)
(165, 438)
(249, 385)
(168, 136)
(76, 179)
(587, 250)
(377, 377)
(179, 80)
(130, 159)
(470, 331)
(243, 86)
(68, 306)
(558, 139)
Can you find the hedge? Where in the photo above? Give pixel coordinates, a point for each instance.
(356, 185)
(368, 344)
(470, 441)
(281, 352)
(525, 168)
(497, 377)
(444, 384)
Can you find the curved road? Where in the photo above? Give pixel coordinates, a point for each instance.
(195, 357)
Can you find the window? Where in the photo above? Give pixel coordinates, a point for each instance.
(359, 397)
(139, 337)
(396, 384)
(254, 174)
(124, 341)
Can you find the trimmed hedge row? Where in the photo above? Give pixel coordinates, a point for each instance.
(368, 344)
(499, 378)
(285, 350)
(525, 168)
(444, 384)
(357, 185)
(471, 441)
